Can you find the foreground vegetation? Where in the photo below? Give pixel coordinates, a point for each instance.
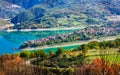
(94, 58)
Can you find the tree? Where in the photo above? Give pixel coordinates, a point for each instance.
(100, 66)
(84, 48)
(112, 44)
(50, 52)
(59, 51)
(102, 44)
(117, 41)
(9, 64)
(25, 54)
(14, 65)
(40, 53)
(91, 21)
(93, 44)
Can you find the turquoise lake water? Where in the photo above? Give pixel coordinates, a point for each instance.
(11, 40)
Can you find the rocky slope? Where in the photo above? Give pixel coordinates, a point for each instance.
(9, 10)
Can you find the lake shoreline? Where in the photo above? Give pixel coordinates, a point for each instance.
(46, 29)
(71, 43)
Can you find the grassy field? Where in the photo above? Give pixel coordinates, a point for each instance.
(111, 55)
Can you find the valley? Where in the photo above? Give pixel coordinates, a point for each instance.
(59, 37)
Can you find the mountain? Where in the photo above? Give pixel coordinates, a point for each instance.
(32, 13)
(63, 13)
(30, 3)
(24, 3)
(9, 10)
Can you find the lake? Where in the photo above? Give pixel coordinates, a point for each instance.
(11, 40)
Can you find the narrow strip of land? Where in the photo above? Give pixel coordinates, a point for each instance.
(72, 43)
(45, 29)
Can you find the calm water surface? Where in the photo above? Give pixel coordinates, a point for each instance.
(11, 40)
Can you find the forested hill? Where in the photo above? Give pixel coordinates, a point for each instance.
(32, 14)
(11, 8)
(67, 13)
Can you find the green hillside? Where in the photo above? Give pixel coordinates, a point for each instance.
(70, 14)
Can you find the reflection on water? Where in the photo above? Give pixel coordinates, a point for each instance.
(18, 37)
(10, 40)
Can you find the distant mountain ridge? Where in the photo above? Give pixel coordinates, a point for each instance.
(62, 13)
(30, 3)
(24, 3)
(10, 8)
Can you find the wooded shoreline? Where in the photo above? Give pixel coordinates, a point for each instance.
(72, 43)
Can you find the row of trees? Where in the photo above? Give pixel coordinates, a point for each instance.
(38, 53)
(100, 45)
